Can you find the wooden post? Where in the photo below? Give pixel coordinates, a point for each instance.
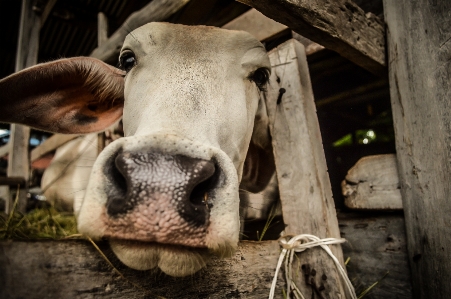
(305, 191)
(102, 37)
(27, 55)
(419, 51)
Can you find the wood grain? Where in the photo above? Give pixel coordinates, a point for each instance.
(27, 55)
(373, 184)
(304, 186)
(419, 50)
(74, 269)
(338, 25)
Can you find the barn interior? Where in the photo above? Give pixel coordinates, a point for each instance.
(353, 105)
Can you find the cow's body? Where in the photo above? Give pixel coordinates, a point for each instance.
(165, 195)
(64, 181)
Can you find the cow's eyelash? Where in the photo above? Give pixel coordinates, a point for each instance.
(260, 77)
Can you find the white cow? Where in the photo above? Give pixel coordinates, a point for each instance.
(166, 195)
(64, 181)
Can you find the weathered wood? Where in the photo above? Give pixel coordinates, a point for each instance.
(74, 269)
(4, 150)
(12, 181)
(51, 144)
(102, 38)
(376, 244)
(338, 25)
(27, 55)
(419, 51)
(373, 184)
(102, 29)
(310, 46)
(47, 10)
(256, 24)
(157, 10)
(304, 186)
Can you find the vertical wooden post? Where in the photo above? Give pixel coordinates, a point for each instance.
(305, 191)
(419, 48)
(27, 55)
(102, 37)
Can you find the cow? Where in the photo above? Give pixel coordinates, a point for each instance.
(65, 179)
(192, 100)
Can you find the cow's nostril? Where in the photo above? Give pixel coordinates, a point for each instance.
(117, 202)
(199, 194)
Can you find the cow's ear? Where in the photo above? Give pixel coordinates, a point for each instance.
(75, 95)
(259, 165)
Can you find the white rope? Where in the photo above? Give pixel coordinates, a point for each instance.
(300, 243)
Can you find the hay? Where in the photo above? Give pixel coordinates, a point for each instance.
(45, 223)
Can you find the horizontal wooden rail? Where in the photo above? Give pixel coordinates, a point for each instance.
(50, 145)
(12, 181)
(338, 25)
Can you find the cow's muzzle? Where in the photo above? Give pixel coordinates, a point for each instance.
(160, 197)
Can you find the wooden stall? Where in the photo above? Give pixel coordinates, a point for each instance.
(417, 64)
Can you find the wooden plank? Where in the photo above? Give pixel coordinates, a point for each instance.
(419, 51)
(338, 25)
(376, 244)
(12, 181)
(27, 55)
(264, 29)
(18, 163)
(4, 150)
(373, 184)
(73, 269)
(102, 38)
(102, 29)
(257, 24)
(305, 191)
(47, 10)
(51, 144)
(157, 10)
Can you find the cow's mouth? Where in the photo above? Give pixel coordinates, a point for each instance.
(173, 260)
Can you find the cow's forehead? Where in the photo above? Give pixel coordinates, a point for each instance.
(189, 39)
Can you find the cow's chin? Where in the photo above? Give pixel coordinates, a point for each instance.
(173, 260)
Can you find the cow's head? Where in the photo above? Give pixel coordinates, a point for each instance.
(166, 195)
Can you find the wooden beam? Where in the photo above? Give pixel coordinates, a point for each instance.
(102, 38)
(12, 181)
(257, 24)
(373, 184)
(102, 29)
(157, 10)
(50, 145)
(304, 186)
(419, 51)
(73, 268)
(27, 55)
(47, 10)
(4, 150)
(338, 25)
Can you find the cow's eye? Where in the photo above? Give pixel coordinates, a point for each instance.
(127, 61)
(260, 77)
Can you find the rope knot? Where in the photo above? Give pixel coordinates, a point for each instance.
(295, 244)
